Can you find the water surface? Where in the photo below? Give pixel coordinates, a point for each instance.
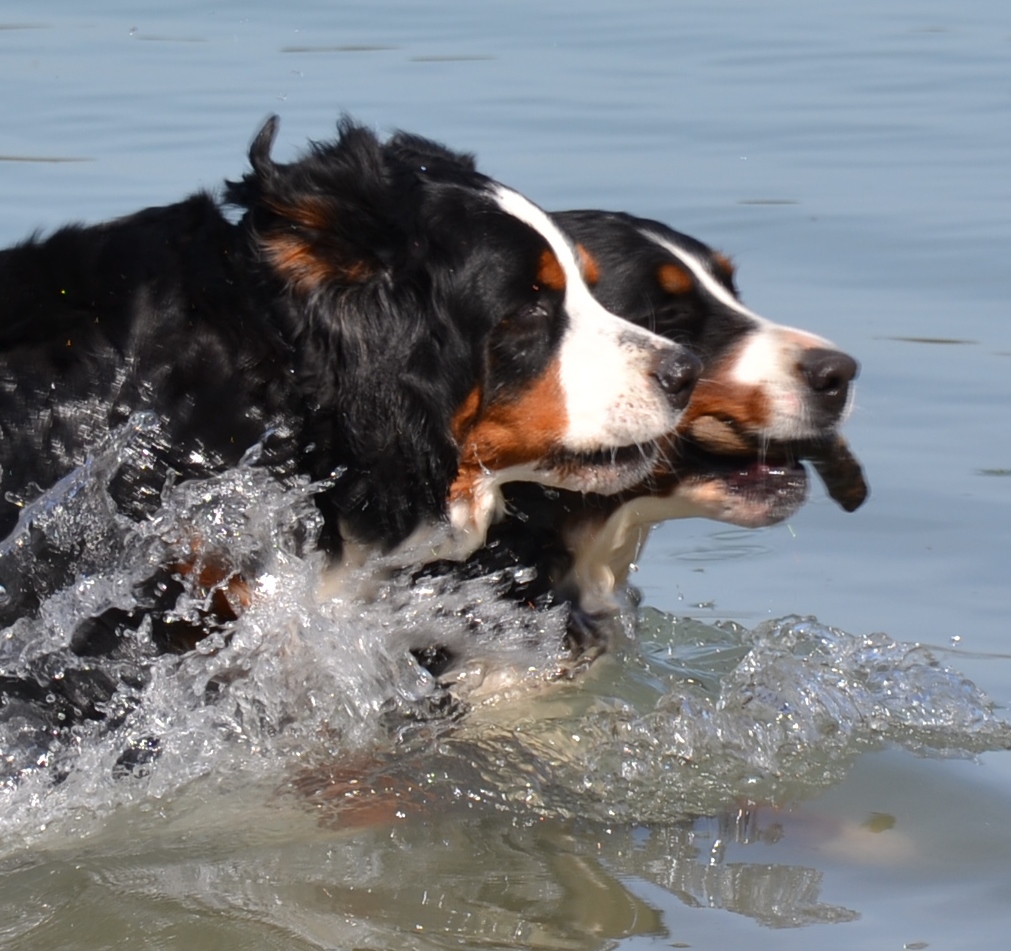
(854, 162)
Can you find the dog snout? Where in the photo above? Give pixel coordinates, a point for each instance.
(828, 374)
(677, 371)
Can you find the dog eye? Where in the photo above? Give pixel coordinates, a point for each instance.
(680, 324)
(530, 315)
(685, 329)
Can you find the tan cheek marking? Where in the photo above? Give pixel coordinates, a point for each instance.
(513, 432)
(591, 270)
(464, 417)
(674, 279)
(549, 272)
(719, 435)
(717, 395)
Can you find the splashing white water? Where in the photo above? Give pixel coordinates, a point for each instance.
(683, 719)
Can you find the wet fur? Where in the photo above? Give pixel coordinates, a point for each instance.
(341, 309)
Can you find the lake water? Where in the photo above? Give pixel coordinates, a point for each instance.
(856, 163)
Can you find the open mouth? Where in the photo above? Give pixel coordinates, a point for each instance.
(749, 482)
(603, 471)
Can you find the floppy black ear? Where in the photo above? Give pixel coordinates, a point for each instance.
(334, 218)
(263, 144)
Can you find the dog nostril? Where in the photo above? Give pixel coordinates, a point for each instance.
(827, 370)
(677, 372)
(828, 374)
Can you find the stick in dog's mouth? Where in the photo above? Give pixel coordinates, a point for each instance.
(722, 444)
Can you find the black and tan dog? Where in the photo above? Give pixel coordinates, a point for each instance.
(378, 309)
(384, 310)
(770, 397)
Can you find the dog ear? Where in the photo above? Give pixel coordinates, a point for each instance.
(334, 218)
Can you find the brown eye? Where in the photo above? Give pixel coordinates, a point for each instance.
(680, 324)
(530, 315)
(534, 311)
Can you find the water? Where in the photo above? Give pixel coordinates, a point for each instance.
(769, 759)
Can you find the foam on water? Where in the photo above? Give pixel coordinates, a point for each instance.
(682, 719)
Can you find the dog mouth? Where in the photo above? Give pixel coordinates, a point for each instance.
(740, 478)
(603, 471)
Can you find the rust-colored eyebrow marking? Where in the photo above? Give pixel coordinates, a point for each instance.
(724, 265)
(550, 273)
(591, 271)
(674, 279)
(302, 255)
(307, 211)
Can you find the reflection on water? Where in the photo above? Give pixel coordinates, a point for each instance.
(938, 340)
(469, 875)
(50, 159)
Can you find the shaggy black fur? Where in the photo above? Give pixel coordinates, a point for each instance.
(342, 317)
(351, 309)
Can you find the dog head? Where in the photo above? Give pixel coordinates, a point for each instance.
(769, 397)
(446, 339)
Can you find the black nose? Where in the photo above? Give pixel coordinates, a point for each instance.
(677, 371)
(828, 374)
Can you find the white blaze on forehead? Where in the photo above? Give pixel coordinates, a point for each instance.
(766, 347)
(766, 358)
(706, 280)
(605, 362)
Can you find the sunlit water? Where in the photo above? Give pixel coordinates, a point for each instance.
(752, 755)
(683, 719)
(310, 710)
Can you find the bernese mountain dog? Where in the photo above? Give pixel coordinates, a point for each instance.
(376, 316)
(770, 397)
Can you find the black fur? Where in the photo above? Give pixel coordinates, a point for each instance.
(359, 362)
(627, 265)
(343, 316)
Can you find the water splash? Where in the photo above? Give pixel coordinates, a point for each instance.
(682, 719)
(692, 720)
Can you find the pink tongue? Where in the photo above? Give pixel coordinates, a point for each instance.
(762, 473)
